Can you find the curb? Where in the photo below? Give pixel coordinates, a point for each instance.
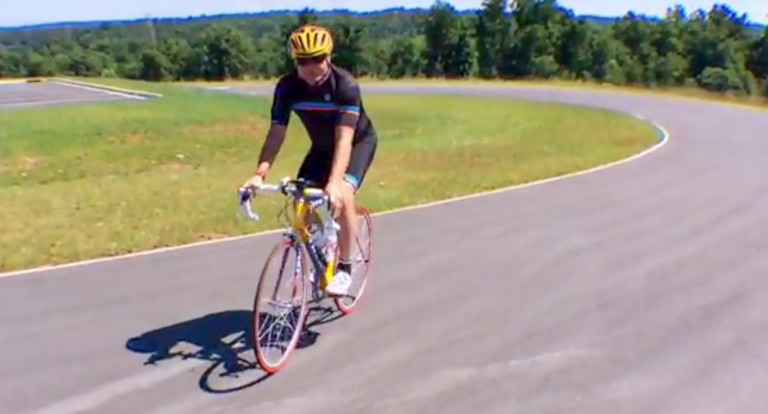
(24, 79)
(18, 81)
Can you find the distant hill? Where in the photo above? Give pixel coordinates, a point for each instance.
(223, 16)
(610, 20)
(401, 10)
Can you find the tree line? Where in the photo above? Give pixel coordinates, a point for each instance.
(715, 49)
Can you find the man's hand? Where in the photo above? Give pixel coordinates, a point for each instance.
(333, 188)
(255, 181)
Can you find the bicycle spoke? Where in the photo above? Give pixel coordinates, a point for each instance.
(278, 323)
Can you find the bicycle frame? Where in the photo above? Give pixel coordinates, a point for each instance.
(299, 232)
(307, 200)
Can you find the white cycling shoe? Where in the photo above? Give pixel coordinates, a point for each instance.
(340, 284)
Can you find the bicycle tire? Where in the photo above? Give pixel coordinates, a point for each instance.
(263, 292)
(360, 211)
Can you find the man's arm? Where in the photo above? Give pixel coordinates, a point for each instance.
(280, 114)
(270, 148)
(348, 102)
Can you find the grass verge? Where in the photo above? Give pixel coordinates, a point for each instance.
(78, 182)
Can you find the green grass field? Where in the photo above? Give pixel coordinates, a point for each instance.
(79, 182)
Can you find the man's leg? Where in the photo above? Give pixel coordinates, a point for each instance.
(346, 237)
(360, 160)
(347, 222)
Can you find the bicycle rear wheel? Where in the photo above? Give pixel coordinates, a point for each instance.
(361, 261)
(282, 330)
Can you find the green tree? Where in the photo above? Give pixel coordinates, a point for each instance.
(155, 66)
(638, 35)
(538, 29)
(461, 54)
(349, 42)
(575, 53)
(493, 36)
(758, 56)
(406, 57)
(441, 28)
(176, 53)
(227, 52)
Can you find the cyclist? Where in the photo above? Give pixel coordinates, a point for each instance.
(327, 100)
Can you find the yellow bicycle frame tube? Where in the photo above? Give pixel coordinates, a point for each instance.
(299, 220)
(302, 207)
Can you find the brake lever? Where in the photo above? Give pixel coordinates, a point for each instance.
(245, 203)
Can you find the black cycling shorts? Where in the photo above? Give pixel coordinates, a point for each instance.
(316, 167)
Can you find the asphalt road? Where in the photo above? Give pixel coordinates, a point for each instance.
(25, 95)
(637, 289)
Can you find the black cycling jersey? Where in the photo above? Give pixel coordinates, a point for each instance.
(321, 108)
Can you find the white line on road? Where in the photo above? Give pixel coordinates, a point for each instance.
(95, 89)
(103, 394)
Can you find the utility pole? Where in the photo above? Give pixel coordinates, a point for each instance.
(151, 25)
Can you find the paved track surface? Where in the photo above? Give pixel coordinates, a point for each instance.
(637, 289)
(24, 95)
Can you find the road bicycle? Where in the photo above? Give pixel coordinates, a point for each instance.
(303, 238)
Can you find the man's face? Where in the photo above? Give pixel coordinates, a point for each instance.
(313, 70)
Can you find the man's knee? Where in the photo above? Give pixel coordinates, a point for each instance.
(348, 195)
(352, 181)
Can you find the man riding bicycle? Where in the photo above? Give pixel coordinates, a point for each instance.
(327, 99)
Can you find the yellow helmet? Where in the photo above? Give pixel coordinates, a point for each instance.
(310, 41)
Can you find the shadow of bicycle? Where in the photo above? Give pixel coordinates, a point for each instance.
(225, 339)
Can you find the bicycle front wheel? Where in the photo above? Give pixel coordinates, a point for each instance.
(279, 321)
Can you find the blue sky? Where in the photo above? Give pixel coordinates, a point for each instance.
(46, 11)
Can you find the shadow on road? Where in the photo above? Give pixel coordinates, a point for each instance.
(225, 339)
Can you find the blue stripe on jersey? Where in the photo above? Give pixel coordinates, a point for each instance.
(324, 106)
(314, 106)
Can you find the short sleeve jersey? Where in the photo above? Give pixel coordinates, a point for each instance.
(321, 108)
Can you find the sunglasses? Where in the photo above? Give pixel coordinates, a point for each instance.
(316, 60)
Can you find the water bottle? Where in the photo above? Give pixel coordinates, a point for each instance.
(316, 235)
(330, 234)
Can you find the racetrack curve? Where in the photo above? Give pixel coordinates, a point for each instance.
(23, 95)
(636, 289)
